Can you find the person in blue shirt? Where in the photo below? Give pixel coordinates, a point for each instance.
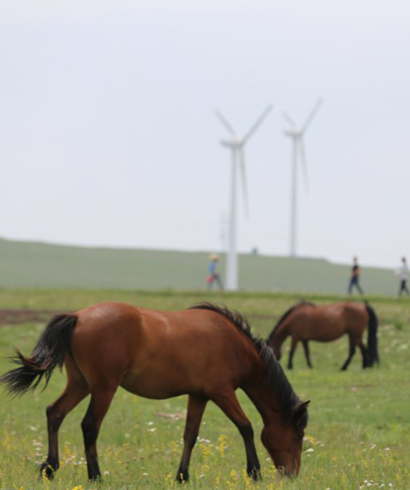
(214, 273)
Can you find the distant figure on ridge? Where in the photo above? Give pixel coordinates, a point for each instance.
(403, 273)
(354, 278)
(214, 273)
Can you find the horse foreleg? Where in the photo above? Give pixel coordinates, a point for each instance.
(305, 344)
(56, 412)
(196, 407)
(291, 353)
(352, 350)
(99, 404)
(229, 404)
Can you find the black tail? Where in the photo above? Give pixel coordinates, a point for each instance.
(373, 354)
(49, 352)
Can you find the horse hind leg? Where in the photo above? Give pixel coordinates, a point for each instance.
(73, 394)
(352, 350)
(365, 355)
(100, 402)
(196, 407)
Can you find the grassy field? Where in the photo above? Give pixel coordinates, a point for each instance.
(25, 264)
(358, 434)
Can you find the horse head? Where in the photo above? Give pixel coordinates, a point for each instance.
(283, 441)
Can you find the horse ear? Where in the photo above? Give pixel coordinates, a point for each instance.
(300, 415)
(302, 407)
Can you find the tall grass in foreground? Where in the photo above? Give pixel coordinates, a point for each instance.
(358, 435)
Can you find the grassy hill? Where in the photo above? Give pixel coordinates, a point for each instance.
(27, 264)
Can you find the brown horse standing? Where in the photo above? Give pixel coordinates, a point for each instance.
(206, 352)
(305, 321)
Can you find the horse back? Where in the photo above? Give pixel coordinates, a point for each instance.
(329, 322)
(323, 323)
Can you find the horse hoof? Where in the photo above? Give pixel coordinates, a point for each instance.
(255, 474)
(47, 471)
(95, 477)
(182, 477)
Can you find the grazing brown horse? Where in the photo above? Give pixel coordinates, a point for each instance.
(305, 321)
(206, 352)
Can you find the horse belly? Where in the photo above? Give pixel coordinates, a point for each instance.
(326, 336)
(155, 387)
(316, 331)
(160, 380)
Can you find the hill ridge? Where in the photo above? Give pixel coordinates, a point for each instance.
(48, 265)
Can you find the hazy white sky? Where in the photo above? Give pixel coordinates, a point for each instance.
(108, 136)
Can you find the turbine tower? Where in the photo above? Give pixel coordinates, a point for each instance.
(297, 133)
(236, 144)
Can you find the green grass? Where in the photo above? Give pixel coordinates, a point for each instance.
(26, 264)
(358, 433)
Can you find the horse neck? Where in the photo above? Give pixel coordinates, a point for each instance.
(266, 399)
(281, 334)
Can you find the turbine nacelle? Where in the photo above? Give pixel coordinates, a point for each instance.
(294, 133)
(234, 143)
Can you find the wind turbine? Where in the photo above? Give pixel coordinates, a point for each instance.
(236, 143)
(297, 133)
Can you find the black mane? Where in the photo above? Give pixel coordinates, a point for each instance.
(284, 316)
(275, 376)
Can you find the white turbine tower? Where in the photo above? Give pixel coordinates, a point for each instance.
(236, 144)
(297, 133)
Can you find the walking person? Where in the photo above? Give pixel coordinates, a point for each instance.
(354, 277)
(403, 273)
(214, 273)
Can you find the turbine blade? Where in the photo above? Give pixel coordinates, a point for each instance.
(304, 164)
(289, 119)
(312, 115)
(244, 182)
(257, 124)
(225, 122)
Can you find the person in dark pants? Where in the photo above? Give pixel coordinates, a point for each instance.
(403, 273)
(354, 278)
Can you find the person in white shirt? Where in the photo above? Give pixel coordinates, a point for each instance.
(403, 273)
